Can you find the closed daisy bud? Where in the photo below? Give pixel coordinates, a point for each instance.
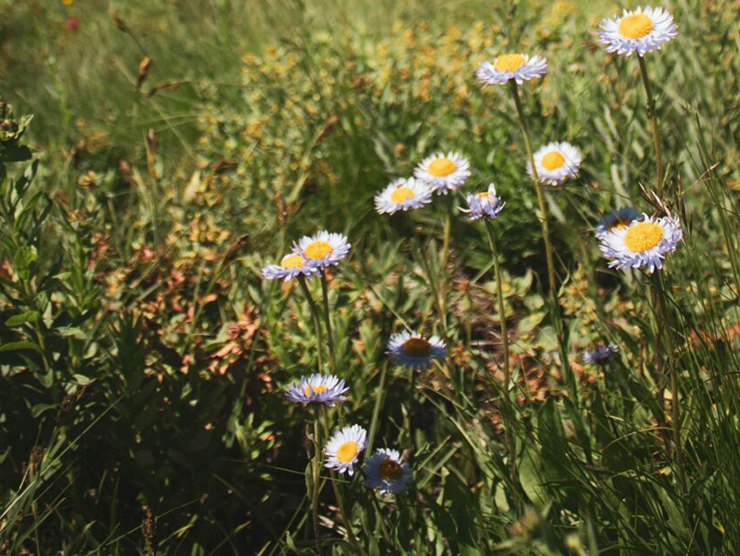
(484, 204)
(600, 354)
(641, 31)
(506, 67)
(343, 449)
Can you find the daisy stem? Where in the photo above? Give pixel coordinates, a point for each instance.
(343, 513)
(509, 412)
(316, 322)
(316, 477)
(381, 520)
(445, 259)
(327, 318)
(376, 411)
(652, 114)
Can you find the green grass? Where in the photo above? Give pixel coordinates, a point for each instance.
(143, 359)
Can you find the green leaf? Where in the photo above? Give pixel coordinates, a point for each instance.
(28, 316)
(15, 153)
(14, 346)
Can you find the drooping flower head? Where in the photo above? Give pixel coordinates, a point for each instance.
(325, 389)
(506, 67)
(616, 220)
(640, 30)
(643, 243)
(413, 350)
(323, 249)
(485, 204)
(386, 471)
(600, 354)
(291, 265)
(555, 163)
(403, 194)
(443, 172)
(343, 449)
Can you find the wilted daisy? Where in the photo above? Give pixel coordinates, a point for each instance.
(642, 243)
(600, 354)
(443, 172)
(484, 204)
(291, 265)
(326, 389)
(518, 67)
(323, 249)
(413, 350)
(616, 220)
(403, 194)
(344, 448)
(556, 162)
(386, 471)
(640, 30)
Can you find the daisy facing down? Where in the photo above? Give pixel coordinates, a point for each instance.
(642, 243)
(413, 350)
(403, 194)
(506, 67)
(485, 204)
(555, 163)
(326, 389)
(291, 265)
(343, 449)
(387, 471)
(323, 249)
(640, 30)
(617, 219)
(443, 172)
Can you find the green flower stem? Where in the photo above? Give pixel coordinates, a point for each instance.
(383, 527)
(343, 514)
(376, 410)
(327, 319)
(652, 114)
(509, 411)
(445, 261)
(316, 321)
(316, 477)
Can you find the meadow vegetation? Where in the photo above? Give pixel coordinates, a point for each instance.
(176, 148)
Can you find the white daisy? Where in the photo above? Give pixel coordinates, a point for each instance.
(600, 354)
(642, 243)
(412, 350)
(386, 470)
(443, 172)
(326, 389)
(323, 249)
(617, 219)
(518, 67)
(483, 204)
(292, 265)
(403, 194)
(641, 31)
(343, 449)
(556, 162)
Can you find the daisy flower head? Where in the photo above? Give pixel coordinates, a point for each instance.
(642, 243)
(323, 249)
(413, 350)
(506, 67)
(325, 389)
(403, 194)
(485, 204)
(291, 265)
(555, 163)
(640, 30)
(387, 471)
(443, 172)
(343, 449)
(617, 219)
(600, 354)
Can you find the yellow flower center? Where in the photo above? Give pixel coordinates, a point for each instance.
(417, 347)
(619, 223)
(401, 193)
(292, 261)
(643, 236)
(508, 62)
(318, 250)
(635, 26)
(347, 451)
(442, 167)
(315, 389)
(482, 195)
(552, 161)
(390, 470)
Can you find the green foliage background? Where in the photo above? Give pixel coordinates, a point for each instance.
(143, 359)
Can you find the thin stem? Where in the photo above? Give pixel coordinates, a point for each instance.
(316, 477)
(432, 284)
(509, 410)
(316, 322)
(327, 319)
(343, 514)
(381, 520)
(652, 114)
(376, 411)
(445, 261)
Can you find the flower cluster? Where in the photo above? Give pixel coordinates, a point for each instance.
(309, 256)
